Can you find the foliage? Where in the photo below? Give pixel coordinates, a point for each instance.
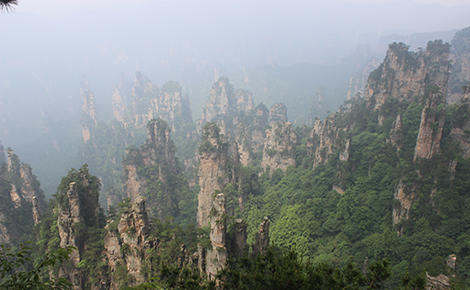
(13, 276)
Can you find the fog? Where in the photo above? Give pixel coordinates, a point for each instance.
(314, 44)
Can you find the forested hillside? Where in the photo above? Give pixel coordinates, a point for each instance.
(377, 194)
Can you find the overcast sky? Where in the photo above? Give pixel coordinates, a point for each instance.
(61, 8)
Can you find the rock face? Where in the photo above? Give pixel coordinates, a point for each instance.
(358, 82)
(216, 256)
(70, 215)
(460, 55)
(133, 229)
(142, 96)
(440, 282)
(326, 139)
(262, 238)
(2, 154)
(429, 138)
(406, 197)
(19, 190)
(213, 171)
(396, 133)
(238, 119)
(89, 117)
(279, 147)
(405, 74)
(152, 164)
(278, 113)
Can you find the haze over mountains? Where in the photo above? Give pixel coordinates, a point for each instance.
(276, 49)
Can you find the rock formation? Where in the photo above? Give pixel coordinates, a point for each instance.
(278, 113)
(19, 190)
(143, 94)
(262, 238)
(214, 171)
(460, 55)
(279, 147)
(2, 154)
(89, 118)
(404, 74)
(70, 215)
(440, 282)
(358, 82)
(147, 170)
(429, 136)
(396, 133)
(216, 256)
(127, 244)
(326, 139)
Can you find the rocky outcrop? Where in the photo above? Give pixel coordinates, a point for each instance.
(440, 282)
(460, 55)
(152, 164)
(127, 241)
(262, 238)
(214, 170)
(20, 192)
(143, 93)
(119, 106)
(221, 100)
(404, 74)
(358, 81)
(278, 113)
(216, 256)
(70, 214)
(89, 117)
(405, 197)
(430, 134)
(2, 154)
(240, 238)
(396, 133)
(326, 139)
(134, 231)
(279, 147)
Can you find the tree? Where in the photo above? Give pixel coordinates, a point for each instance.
(14, 277)
(7, 4)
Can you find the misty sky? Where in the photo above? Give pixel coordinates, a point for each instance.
(60, 8)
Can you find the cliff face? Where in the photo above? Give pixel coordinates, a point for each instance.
(127, 244)
(149, 169)
(460, 55)
(89, 118)
(20, 191)
(278, 113)
(2, 154)
(142, 96)
(279, 147)
(326, 139)
(214, 170)
(405, 74)
(69, 216)
(429, 138)
(358, 82)
(216, 256)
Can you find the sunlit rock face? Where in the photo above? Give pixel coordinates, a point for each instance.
(404, 74)
(429, 138)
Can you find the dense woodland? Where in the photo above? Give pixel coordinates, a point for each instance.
(333, 223)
